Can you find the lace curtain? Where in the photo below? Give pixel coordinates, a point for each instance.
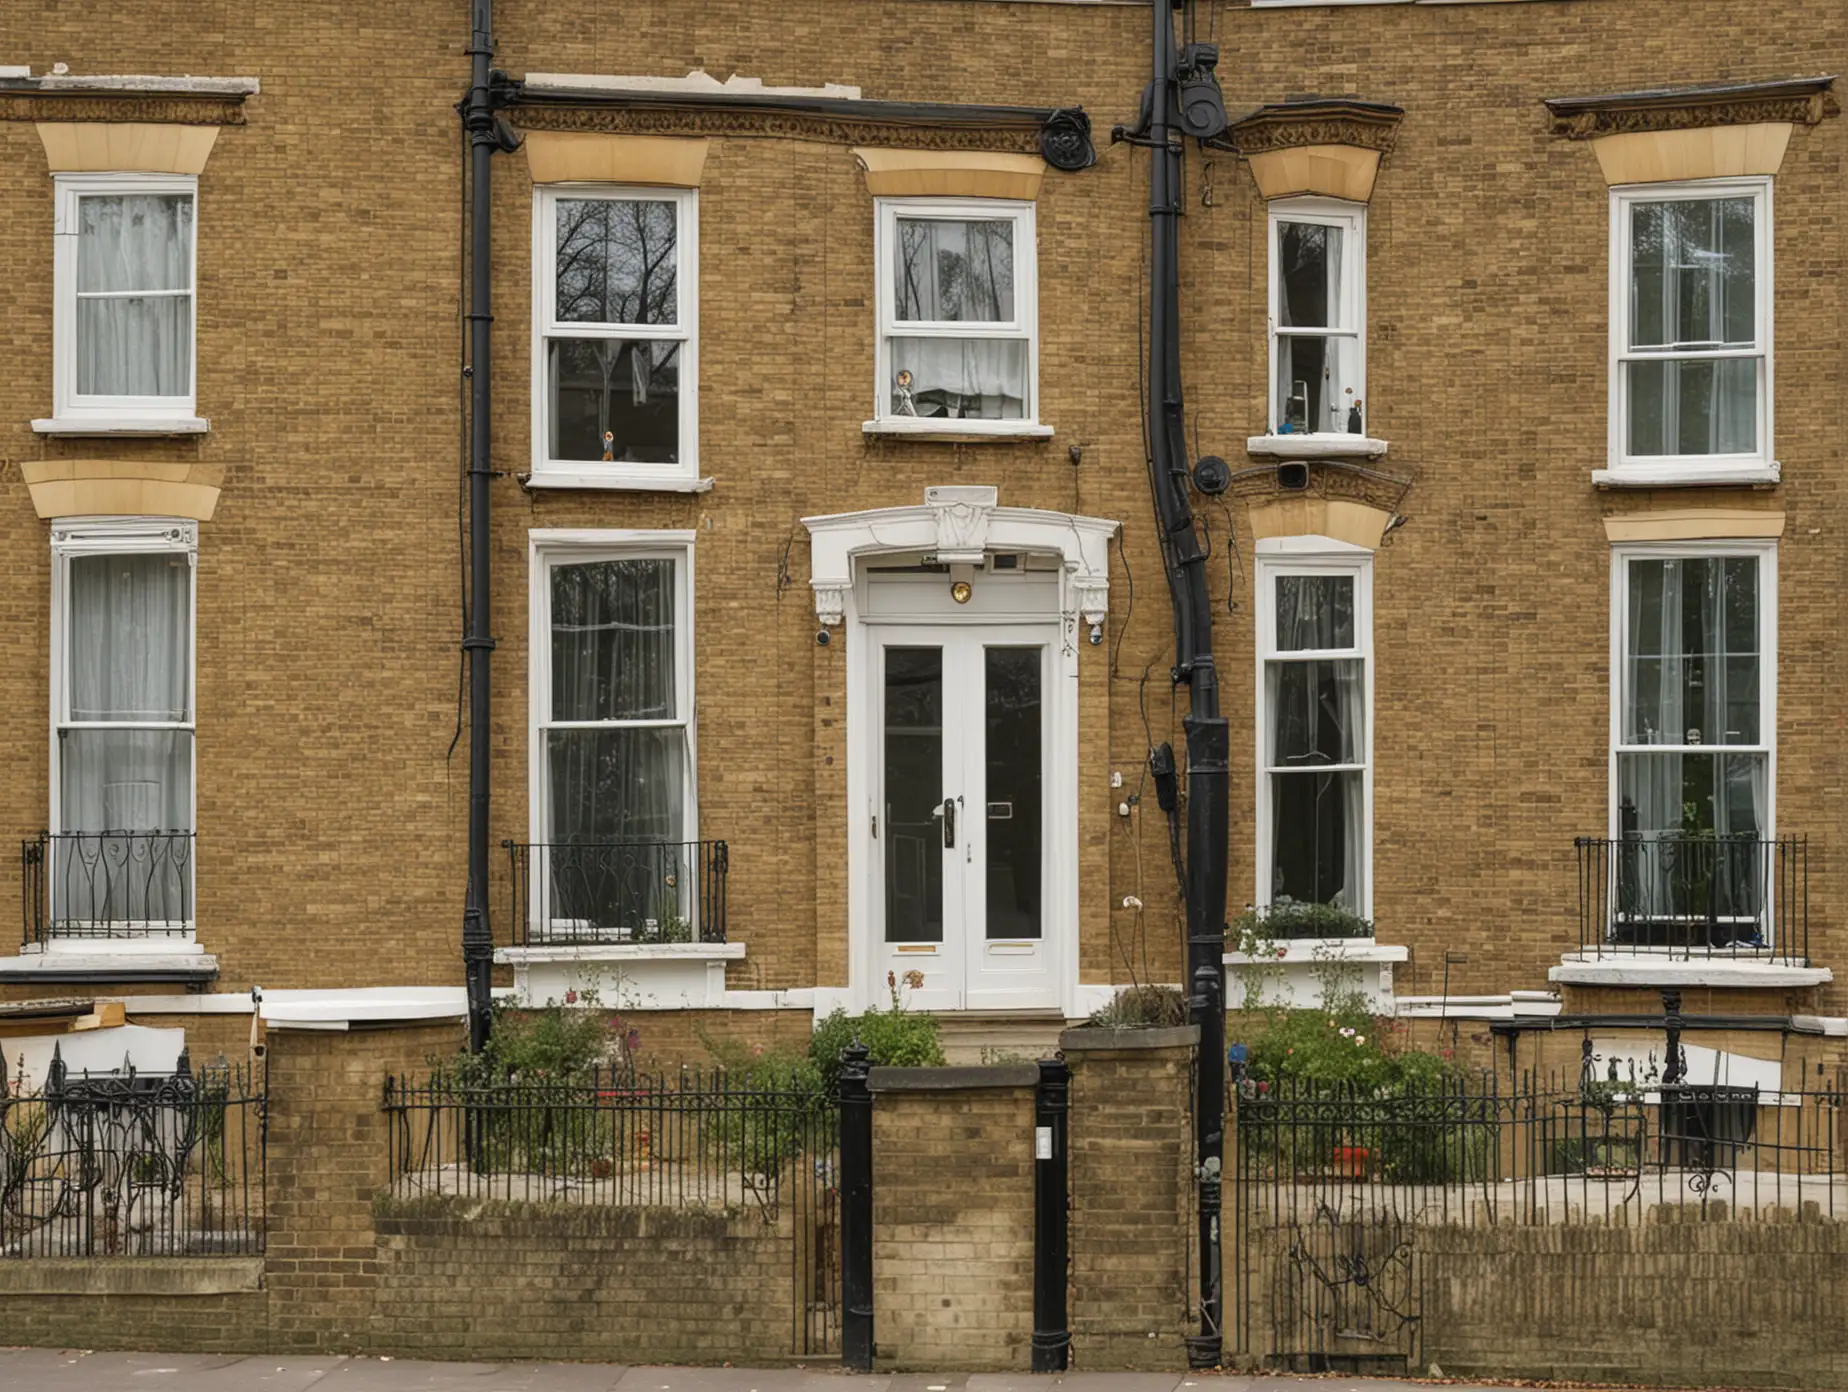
(125, 794)
(1693, 289)
(954, 271)
(613, 659)
(134, 294)
(1317, 745)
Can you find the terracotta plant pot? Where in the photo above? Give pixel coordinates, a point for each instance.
(1351, 1161)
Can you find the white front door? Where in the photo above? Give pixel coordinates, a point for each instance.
(960, 849)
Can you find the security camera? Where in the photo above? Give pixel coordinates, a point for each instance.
(1097, 635)
(823, 637)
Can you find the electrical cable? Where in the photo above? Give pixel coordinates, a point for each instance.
(783, 578)
(1233, 554)
(1130, 611)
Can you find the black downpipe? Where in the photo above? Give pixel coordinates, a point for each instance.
(1208, 740)
(478, 120)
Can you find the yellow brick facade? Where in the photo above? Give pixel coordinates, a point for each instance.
(331, 810)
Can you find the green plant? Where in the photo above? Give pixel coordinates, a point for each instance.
(536, 1075)
(1143, 1007)
(893, 1037)
(1290, 919)
(552, 1042)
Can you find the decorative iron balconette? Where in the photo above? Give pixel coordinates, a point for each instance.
(107, 884)
(617, 892)
(1700, 895)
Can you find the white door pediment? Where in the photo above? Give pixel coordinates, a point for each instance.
(959, 523)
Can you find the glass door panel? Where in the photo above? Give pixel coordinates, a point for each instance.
(912, 777)
(1013, 793)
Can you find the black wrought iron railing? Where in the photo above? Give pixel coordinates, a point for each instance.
(133, 1164)
(763, 1149)
(1708, 895)
(618, 892)
(107, 884)
(609, 1137)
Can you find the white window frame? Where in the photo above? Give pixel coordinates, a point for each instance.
(1766, 554)
(126, 412)
(587, 473)
(1313, 556)
(1023, 326)
(118, 536)
(1352, 219)
(555, 547)
(1697, 467)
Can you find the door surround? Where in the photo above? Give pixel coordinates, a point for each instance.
(961, 524)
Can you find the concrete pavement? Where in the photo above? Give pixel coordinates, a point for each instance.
(51, 1370)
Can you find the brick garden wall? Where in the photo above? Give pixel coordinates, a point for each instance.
(1683, 1303)
(953, 1219)
(1132, 1197)
(462, 1280)
(1673, 1299)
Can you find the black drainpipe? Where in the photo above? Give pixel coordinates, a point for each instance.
(487, 133)
(1208, 740)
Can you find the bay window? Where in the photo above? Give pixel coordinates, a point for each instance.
(122, 728)
(1315, 706)
(124, 280)
(1318, 251)
(1691, 774)
(615, 370)
(1691, 324)
(958, 314)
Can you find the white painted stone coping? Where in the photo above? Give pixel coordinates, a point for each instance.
(1644, 969)
(619, 952)
(134, 82)
(1298, 951)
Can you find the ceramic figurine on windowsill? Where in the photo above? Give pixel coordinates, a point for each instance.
(609, 446)
(1356, 426)
(903, 403)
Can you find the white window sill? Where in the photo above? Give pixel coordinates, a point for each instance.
(619, 952)
(179, 962)
(958, 431)
(625, 483)
(1645, 969)
(125, 425)
(1328, 446)
(132, 943)
(629, 976)
(1685, 475)
(1300, 951)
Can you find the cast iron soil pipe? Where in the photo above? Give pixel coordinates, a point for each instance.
(478, 120)
(1208, 739)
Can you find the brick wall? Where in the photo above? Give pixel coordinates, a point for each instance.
(330, 813)
(461, 1280)
(953, 1222)
(328, 1159)
(348, 1269)
(1715, 1303)
(1132, 1197)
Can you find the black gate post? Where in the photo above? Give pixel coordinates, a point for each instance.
(1052, 1336)
(856, 1210)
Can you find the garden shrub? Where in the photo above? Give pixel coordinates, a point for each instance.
(1143, 1007)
